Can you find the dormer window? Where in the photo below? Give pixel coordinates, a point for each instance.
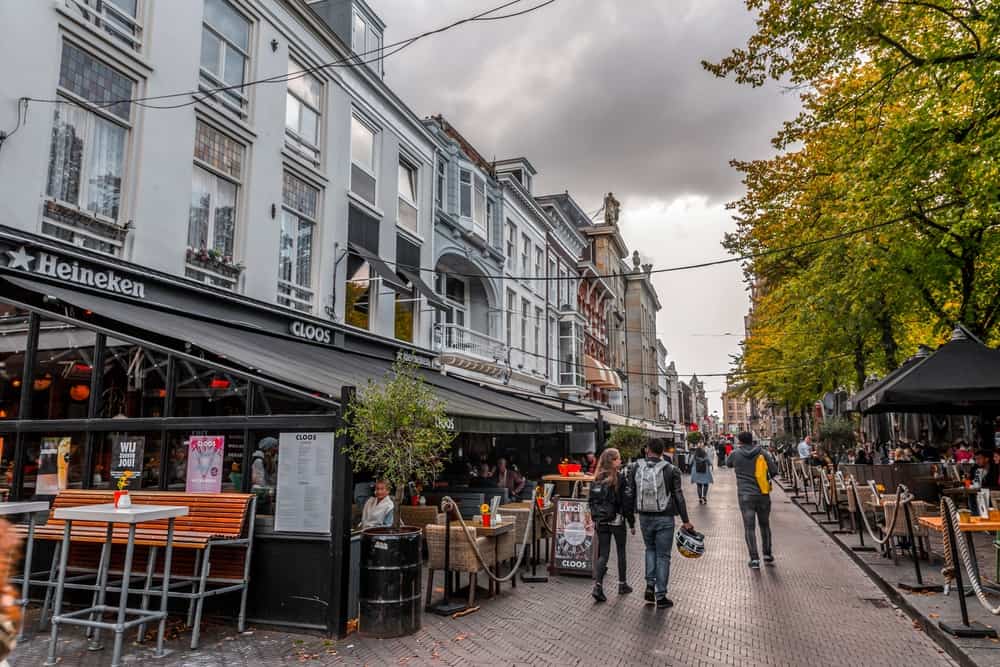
(366, 41)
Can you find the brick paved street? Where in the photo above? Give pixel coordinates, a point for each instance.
(815, 607)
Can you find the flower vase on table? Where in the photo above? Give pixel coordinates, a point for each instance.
(484, 512)
(122, 499)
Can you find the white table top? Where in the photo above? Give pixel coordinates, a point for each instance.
(133, 514)
(24, 507)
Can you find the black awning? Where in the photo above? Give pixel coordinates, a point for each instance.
(387, 275)
(312, 368)
(423, 288)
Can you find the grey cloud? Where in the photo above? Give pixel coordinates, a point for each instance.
(599, 94)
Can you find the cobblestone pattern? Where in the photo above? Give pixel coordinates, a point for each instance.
(814, 607)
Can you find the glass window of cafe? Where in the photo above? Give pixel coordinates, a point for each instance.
(83, 391)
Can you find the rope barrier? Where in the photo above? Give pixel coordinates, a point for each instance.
(447, 504)
(890, 525)
(948, 572)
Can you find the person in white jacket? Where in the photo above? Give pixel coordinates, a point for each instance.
(379, 509)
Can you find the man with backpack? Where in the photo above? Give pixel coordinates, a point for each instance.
(655, 490)
(754, 470)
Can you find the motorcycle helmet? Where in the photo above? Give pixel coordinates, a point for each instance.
(690, 543)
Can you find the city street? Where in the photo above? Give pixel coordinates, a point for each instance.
(813, 607)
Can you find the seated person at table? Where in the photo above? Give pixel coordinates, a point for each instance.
(507, 478)
(863, 457)
(980, 465)
(991, 480)
(379, 509)
(589, 465)
(963, 452)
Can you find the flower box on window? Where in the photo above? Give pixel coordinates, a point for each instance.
(213, 260)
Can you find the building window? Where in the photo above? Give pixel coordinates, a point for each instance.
(118, 18)
(570, 357)
(479, 209)
(511, 314)
(366, 41)
(491, 221)
(525, 254)
(225, 48)
(87, 154)
(407, 302)
(511, 244)
(551, 282)
(218, 161)
(362, 160)
(407, 196)
(465, 193)
(525, 315)
(539, 261)
(302, 112)
(299, 215)
(538, 333)
(442, 184)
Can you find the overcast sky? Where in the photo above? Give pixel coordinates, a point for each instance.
(609, 95)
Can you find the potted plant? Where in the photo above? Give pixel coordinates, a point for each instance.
(122, 499)
(398, 429)
(628, 440)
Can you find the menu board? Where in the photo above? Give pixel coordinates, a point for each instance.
(573, 548)
(204, 468)
(305, 482)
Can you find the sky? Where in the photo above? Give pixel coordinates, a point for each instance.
(610, 95)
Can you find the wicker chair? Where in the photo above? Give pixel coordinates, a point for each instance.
(865, 495)
(918, 508)
(462, 556)
(419, 516)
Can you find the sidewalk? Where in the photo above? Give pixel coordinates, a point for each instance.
(815, 607)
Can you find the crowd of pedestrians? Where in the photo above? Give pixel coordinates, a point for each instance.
(650, 492)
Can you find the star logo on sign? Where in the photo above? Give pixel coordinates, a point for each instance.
(20, 259)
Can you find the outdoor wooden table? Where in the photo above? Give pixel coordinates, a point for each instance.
(569, 479)
(109, 514)
(29, 508)
(974, 525)
(493, 531)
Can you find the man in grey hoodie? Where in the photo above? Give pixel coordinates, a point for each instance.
(755, 505)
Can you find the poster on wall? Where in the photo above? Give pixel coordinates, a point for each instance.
(126, 454)
(204, 468)
(305, 479)
(52, 473)
(573, 548)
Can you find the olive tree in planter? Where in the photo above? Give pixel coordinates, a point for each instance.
(398, 429)
(695, 437)
(628, 440)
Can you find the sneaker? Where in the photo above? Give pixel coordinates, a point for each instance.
(624, 589)
(664, 603)
(649, 595)
(755, 565)
(598, 593)
(769, 560)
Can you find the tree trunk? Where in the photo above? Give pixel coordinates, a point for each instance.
(890, 348)
(860, 369)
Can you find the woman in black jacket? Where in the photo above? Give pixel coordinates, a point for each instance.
(610, 512)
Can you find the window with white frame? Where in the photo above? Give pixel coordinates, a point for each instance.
(539, 316)
(465, 193)
(303, 110)
(552, 282)
(479, 208)
(525, 315)
(511, 314)
(218, 163)
(87, 154)
(363, 138)
(491, 221)
(525, 254)
(539, 262)
(299, 215)
(225, 52)
(407, 196)
(511, 244)
(366, 42)
(441, 185)
(118, 18)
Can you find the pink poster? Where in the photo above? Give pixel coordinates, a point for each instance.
(204, 468)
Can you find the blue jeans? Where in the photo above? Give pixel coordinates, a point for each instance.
(658, 535)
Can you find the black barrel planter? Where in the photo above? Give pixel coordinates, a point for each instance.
(390, 582)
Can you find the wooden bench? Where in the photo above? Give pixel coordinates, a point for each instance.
(213, 520)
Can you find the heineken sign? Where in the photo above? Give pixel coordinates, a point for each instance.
(72, 271)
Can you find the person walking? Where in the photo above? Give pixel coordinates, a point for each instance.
(655, 486)
(611, 509)
(701, 473)
(754, 470)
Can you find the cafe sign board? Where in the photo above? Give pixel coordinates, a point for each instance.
(72, 271)
(573, 548)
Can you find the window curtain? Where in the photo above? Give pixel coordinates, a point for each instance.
(107, 156)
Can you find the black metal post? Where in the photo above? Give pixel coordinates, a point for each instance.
(340, 528)
(920, 586)
(966, 629)
(447, 607)
(534, 578)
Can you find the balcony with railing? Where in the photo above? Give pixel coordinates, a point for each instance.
(469, 349)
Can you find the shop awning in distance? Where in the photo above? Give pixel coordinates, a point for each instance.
(600, 374)
(310, 367)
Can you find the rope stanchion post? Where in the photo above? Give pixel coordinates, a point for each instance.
(920, 586)
(447, 606)
(966, 629)
(534, 577)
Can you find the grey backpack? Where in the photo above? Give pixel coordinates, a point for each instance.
(651, 492)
